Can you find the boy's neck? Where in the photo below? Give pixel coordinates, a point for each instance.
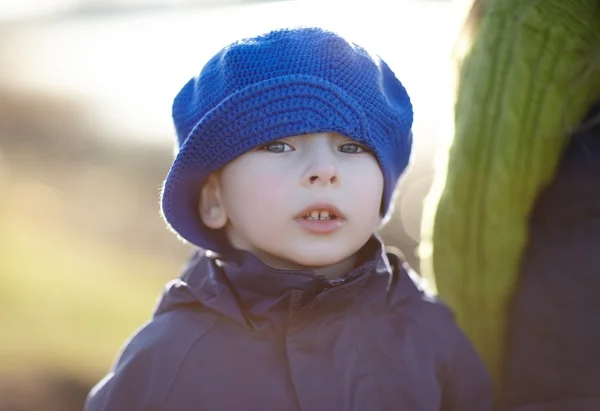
(339, 269)
(330, 272)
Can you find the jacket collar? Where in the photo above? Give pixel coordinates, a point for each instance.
(255, 295)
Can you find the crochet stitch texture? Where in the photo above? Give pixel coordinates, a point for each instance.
(284, 83)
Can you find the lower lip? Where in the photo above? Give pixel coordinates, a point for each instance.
(320, 226)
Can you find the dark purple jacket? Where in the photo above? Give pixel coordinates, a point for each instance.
(553, 359)
(239, 335)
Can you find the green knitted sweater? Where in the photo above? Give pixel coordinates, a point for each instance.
(530, 76)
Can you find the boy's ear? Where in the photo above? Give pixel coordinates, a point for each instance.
(210, 207)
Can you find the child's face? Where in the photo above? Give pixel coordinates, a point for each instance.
(274, 201)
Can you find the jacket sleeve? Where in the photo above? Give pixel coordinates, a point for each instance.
(466, 382)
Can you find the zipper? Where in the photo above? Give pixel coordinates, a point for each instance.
(335, 282)
(330, 285)
(297, 296)
(333, 286)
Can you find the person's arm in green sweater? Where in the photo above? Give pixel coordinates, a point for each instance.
(529, 78)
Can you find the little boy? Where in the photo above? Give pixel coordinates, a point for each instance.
(290, 147)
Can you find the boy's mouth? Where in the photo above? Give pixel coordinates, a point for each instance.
(320, 212)
(320, 215)
(321, 219)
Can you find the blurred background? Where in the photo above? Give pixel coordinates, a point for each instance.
(86, 140)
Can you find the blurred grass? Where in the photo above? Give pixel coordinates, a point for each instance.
(69, 301)
(67, 305)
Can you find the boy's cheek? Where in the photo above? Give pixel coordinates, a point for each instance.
(265, 184)
(258, 193)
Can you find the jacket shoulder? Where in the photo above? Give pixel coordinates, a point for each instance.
(465, 382)
(413, 300)
(149, 362)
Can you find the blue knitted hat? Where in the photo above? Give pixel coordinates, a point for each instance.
(285, 83)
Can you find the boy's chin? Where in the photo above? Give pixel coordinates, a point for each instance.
(318, 259)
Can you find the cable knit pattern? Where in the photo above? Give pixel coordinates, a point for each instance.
(527, 82)
(285, 83)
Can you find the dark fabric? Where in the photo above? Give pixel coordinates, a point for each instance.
(553, 358)
(238, 335)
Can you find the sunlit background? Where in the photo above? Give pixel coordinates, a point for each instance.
(86, 139)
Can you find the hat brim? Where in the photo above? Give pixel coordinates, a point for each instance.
(263, 112)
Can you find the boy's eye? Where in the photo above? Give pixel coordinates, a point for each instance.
(276, 147)
(351, 148)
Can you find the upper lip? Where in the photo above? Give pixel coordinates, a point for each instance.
(321, 207)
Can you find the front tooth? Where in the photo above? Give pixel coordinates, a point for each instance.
(314, 214)
(324, 215)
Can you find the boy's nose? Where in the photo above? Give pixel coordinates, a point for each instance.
(322, 175)
(321, 162)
